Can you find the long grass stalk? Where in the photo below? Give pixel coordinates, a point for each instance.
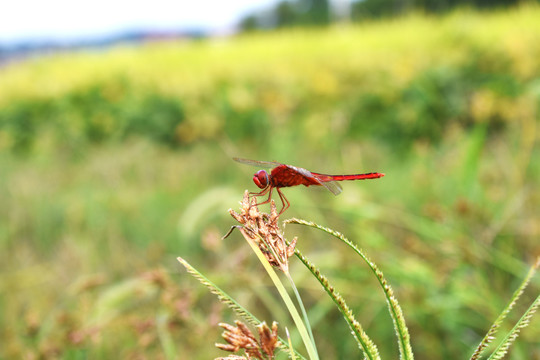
(301, 305)
(395, 310)
(238, 309)
(512, 335)
(490, 335)
(365, 343)
(284, 266)
(302, 329)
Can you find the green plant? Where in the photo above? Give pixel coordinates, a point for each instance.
(263, 234)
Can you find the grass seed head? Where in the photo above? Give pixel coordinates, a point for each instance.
(263, 230)
(242, 338)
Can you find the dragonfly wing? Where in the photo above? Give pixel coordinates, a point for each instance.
(327, 182)
(333, 186)
(257, 163)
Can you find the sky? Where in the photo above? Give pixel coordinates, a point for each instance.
(24, 20)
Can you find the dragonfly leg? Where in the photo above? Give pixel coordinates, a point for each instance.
(267, 189)
(282, 197)
(283, 201)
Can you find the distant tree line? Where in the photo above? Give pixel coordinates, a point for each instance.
(289, 13)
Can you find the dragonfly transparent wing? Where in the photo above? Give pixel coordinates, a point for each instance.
(333, 186)
(257, 163)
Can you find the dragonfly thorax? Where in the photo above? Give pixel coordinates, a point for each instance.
(261, 179)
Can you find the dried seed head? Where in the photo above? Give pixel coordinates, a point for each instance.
(245, 330)
(241, 337)
(269, 339)
(263, 230)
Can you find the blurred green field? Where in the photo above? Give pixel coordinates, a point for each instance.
(114, 162)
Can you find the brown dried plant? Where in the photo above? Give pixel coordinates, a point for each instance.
(263, 230)
(241, 337)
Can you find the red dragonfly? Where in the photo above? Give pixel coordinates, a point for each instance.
(287, 175)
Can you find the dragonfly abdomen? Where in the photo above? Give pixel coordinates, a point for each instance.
(373, 175)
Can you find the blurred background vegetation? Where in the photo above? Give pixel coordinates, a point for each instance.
(114, 162)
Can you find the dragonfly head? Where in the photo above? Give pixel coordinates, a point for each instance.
(261, 179)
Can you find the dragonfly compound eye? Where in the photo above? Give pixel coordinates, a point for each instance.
(261, 179)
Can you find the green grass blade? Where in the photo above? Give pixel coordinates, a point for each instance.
(292, 354)
(490, 335)
(402, 332)
(301, 305)
(502, 349)
(302, 329)
(165, 337)
(230, 302)
(365, 343)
